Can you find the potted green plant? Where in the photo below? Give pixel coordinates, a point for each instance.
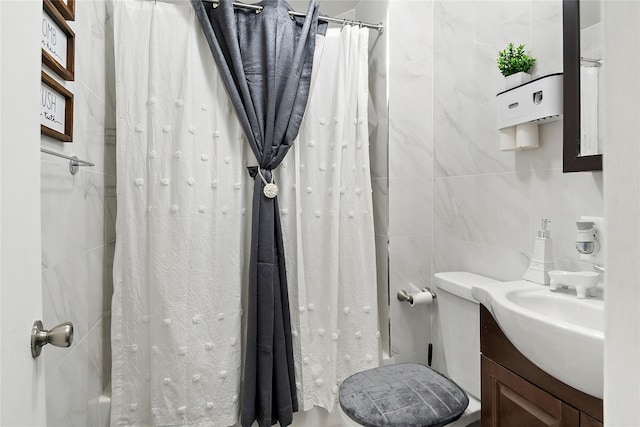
(515, 64)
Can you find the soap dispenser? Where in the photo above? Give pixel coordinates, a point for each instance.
(542, 257)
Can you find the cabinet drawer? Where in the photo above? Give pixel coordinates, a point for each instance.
(587, 421)
(508, 400)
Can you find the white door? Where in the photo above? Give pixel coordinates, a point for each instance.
(22, 392)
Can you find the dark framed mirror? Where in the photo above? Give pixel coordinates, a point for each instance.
(572, 160)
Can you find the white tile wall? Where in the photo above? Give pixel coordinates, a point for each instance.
(78, 229)
(477, 208)
(487, 203)
(622, 209)
(411, 106)
(412, 155)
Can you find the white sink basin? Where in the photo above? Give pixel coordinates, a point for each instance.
(561, 334)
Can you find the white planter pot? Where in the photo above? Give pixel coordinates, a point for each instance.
(516, 80)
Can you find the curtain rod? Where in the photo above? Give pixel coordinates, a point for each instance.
(258, 9)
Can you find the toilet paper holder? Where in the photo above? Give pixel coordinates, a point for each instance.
(403, 295)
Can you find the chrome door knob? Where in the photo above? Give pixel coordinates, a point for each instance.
(60, 336)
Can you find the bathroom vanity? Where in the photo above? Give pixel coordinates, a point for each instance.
(515, 392)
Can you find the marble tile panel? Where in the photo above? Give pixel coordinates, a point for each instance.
(92, 140)
(90, 27)
(379, 148)
(591, 41)
(410, 90)
(380, 187)
(453, 147)
(372, 10)
(96, 371)
(549, 154)
(316, 416)
(378, 63)
(438, 361)
(350, 14)
(100, 200)
(382, 273)
(411, 31)
(491, 14)
(411, 148)
(491, 261)
(563, 198)
(409, 262)
(73, 386)
(489, 209)
(63, 213)
(107, 274)
(105, 336)
(110, 208)
(378, 106)
(453, 24)
(546, 36)
(110, 66)
(467, 143)
(488, 78)
(412, 357)
(62, 303)
(410, 206)
(76, 215)
(409, 265)
(92, 135)
(455, 85)
(75, 290)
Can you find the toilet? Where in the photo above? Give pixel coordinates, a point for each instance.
(460, 324)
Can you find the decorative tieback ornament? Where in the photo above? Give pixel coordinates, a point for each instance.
(270, 189)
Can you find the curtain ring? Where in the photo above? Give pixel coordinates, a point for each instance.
(344, 23)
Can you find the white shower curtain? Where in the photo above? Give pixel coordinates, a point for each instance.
(329, 224)
(183, 226)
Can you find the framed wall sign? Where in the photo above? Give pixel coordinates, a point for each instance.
(58, 42)
(56, 111)
(67, 8)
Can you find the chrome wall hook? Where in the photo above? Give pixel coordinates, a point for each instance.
(60, 336)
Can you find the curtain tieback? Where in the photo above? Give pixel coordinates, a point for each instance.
(270, 189)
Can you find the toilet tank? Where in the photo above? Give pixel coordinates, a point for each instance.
(460, 326)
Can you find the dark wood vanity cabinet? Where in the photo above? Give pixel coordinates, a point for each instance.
(516, 393)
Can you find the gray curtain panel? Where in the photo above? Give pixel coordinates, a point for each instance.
(265, 60)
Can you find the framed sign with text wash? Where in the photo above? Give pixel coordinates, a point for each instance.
(56, 110)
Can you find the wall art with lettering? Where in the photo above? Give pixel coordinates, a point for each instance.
(56, 111)
(67, 8)
(58, 42)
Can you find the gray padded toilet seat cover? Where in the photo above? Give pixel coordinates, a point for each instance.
(404, 395)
